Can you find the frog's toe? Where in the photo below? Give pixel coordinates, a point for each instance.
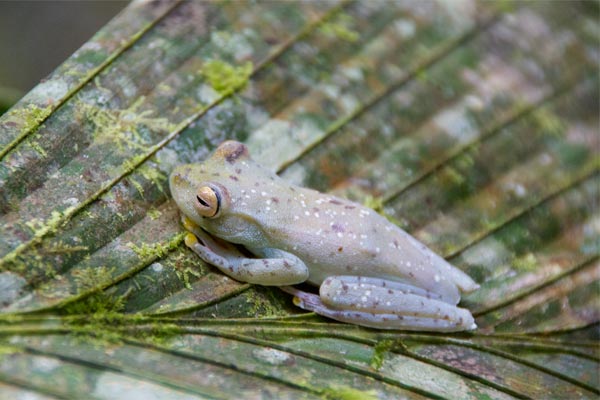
(190, 240)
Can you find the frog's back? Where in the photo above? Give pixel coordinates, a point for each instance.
(335, 236)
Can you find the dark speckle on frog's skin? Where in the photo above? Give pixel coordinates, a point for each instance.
(232, 150)
(337, 228)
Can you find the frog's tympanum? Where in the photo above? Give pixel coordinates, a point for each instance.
(369, 271)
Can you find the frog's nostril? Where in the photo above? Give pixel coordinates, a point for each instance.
(175, 177)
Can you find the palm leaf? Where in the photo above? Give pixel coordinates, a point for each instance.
(472, 126)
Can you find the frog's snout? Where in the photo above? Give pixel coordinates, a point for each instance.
(180, 187)
(174, 179)
(178, 180)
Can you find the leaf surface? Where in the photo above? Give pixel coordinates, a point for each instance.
(473, 127)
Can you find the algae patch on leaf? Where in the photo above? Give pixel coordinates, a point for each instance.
(224, 77)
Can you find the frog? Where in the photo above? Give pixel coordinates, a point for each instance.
(256, 227)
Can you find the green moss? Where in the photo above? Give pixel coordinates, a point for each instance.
(526, 263)
(97, 326)
(131, 164)
(226, 78)
(158, 334)
(90, 278)
(154, 175)
(184, 271)
(34, 224)
(101, 318)
(505, 6)
(348, 393)
(340, 27)
(63, 248)
(185, 274)
(7, 349)
(33, 261)
(453, 176)
(29, 117)
(99, 302)
(102, 327)
(124, 128)
(96, 305)
(11, 319)
(263, 302)
(154, 214)
(38, 149)
(138, 186)
(38, 229)
(156, 250)
(381, 348)
(376, 203)
(549, 123)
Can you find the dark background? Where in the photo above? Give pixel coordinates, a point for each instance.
(37, 36)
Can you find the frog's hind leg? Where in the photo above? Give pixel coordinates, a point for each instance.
(383, 304)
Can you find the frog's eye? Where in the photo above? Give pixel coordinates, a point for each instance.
(208, 201)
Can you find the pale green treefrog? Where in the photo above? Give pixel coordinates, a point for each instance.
(369, 271)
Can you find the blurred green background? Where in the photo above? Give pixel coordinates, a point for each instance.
(37, 36)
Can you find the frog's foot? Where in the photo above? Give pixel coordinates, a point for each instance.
(382, 304)
(192, 227)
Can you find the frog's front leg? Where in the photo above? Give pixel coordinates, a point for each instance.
(277, 268)
(383, 304)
